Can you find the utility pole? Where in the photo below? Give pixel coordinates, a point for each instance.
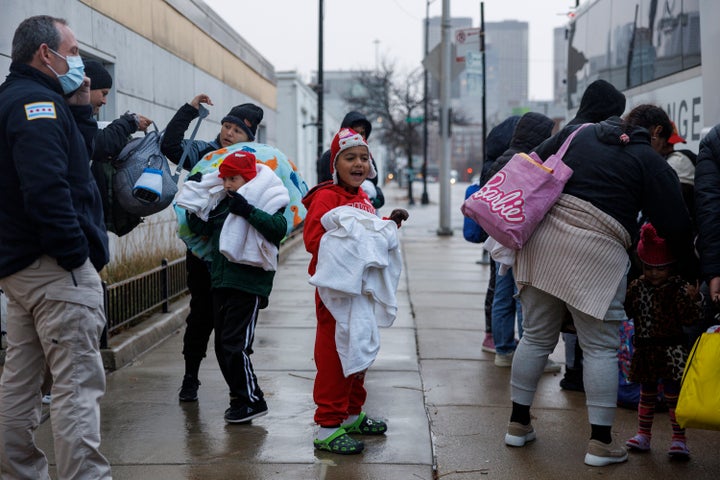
(320, 88)
(444, 227)
(424, 199)
(484, 77)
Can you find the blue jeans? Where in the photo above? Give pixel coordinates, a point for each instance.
(504, 310)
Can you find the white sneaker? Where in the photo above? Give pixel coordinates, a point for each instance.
(518, 434)
(504, 360)
(552, 367)
(602, 454)
(47, 399)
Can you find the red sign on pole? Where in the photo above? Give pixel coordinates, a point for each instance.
(467, 40)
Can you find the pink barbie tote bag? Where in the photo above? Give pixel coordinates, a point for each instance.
(513, 202)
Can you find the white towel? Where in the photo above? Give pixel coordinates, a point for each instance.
(502, 255)
(201, 197)
(239, 242)
(358, 270)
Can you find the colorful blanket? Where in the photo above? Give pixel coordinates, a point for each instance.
(265, 154)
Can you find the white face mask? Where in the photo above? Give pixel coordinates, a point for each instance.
(73, 79)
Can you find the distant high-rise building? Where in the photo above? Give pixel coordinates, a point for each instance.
(506, 63)
(506, 60)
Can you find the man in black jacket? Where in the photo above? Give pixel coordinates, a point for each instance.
(109, 142)
(52, 245)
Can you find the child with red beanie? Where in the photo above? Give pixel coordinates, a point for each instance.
(339, 399)
(239, 290)
(660, 302)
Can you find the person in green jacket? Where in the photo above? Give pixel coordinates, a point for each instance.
(239, 290)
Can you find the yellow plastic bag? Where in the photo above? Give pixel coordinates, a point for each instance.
(699, 402)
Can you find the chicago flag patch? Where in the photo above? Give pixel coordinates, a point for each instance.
(36, 110)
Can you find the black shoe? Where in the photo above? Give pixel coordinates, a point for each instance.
(188, 391)
(572, 380)
(238, 413)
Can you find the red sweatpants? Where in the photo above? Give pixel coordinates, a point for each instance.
(336, 397)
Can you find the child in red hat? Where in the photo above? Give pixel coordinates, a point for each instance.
(339, 399)
(660, 303)
(239, 290)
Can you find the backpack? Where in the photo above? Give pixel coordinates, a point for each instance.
(472, 232)
(142, 183)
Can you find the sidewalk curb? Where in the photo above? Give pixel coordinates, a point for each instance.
(125, 347)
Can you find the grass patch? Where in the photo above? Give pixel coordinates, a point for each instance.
(143, 249)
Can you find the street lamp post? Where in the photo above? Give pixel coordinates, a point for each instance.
(424, 199)
(320, 85)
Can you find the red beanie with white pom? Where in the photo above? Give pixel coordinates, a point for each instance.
(344, 139)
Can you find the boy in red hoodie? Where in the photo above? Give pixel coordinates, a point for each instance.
(339, 399)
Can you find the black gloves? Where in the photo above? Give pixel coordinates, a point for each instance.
(238, 205)
(195, 177)
(398, 216)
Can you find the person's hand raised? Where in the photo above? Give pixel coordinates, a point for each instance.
(201, 98)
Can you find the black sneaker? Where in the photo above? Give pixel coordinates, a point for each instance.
(238, 413)
(188, 391)
(572, 380)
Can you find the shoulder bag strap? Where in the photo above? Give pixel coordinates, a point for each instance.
(561, 152)
(202, 112)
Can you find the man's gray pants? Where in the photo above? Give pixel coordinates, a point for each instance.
(55, 317)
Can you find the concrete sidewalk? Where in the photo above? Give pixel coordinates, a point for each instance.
(446, 404)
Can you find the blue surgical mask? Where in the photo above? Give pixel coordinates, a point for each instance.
(73, 79)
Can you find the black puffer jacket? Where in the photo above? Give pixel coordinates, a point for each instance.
(173, 143)
(622, 179)
(498, 140)
(707, 203)
(531, 130)
(110, 141)
(600, 101)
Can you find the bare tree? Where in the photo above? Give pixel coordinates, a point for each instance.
(397, 104)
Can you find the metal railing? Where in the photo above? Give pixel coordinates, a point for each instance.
(128, 301)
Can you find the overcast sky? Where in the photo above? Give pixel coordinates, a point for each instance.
(356, 34)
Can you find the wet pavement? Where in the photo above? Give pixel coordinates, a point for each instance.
(446, 403)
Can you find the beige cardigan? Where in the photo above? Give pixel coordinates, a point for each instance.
(578, 254)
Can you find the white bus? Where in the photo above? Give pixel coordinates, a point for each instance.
(652, 51)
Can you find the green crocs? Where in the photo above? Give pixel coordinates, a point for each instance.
(365, 425)
(339, 442)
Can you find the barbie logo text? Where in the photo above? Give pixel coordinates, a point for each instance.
(509, 205)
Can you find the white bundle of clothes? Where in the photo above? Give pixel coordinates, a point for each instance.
(239, 241)
(358, 270)
(201, 197)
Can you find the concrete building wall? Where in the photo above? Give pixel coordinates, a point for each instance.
(161, 53)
